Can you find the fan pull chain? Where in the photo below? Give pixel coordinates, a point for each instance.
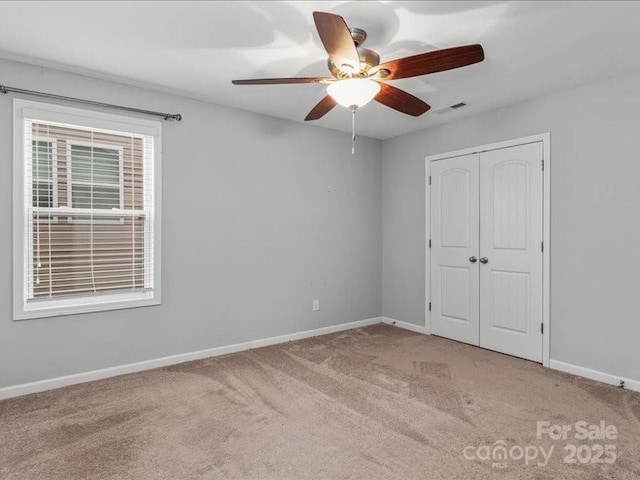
(353, 129)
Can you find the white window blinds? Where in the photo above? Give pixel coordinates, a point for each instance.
(89, 214)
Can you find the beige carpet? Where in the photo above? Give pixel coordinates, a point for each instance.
(372, 403)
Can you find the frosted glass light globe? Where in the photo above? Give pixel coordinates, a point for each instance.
(353, 91)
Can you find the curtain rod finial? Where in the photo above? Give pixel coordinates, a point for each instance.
(3, 89)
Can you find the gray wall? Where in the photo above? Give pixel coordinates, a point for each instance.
(260, 215)
(595, 219)
(263, 215)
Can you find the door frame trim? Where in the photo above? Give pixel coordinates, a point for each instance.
(545, 138)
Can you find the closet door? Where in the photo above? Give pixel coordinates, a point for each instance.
(454, 248)
(510, 250)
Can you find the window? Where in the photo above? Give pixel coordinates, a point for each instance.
(96, 176)
(87, 211)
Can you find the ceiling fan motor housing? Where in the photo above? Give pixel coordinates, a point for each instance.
(368, 58)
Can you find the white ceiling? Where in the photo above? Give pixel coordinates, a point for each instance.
(196, 48)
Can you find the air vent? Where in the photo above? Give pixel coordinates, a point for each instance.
(451, 108)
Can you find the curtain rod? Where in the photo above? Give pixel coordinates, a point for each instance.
(166, 116)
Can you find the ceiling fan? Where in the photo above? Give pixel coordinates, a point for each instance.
(358, 76)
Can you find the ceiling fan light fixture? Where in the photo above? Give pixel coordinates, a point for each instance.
(353, 91)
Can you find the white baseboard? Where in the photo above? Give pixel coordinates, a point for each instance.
(607, 378)
(406, 325)
(595, 375)
(58, 382)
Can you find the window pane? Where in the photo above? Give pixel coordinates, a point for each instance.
(74, 257)
(95, 165)
(42, 160)
(42, 194)
(88, 196)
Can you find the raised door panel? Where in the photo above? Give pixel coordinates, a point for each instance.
(454, 207)
(510, 299)
(510, 204)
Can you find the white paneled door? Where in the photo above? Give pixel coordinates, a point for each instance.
(486, 249)
(511, 246)
(454, 257)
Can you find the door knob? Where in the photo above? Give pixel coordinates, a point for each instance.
(484, 260)
(473, 259)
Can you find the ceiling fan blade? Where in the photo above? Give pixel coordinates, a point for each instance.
(400, 100)
(337, 40)
(432, 62)
(322, 108)
(280, 81)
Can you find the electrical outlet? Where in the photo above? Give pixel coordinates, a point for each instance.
(316, 305)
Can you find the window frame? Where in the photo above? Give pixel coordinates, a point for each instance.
(24, 309)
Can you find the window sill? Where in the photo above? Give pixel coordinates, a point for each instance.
(71, 306)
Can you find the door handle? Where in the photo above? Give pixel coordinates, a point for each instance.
(473, 259)
(484, 260)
